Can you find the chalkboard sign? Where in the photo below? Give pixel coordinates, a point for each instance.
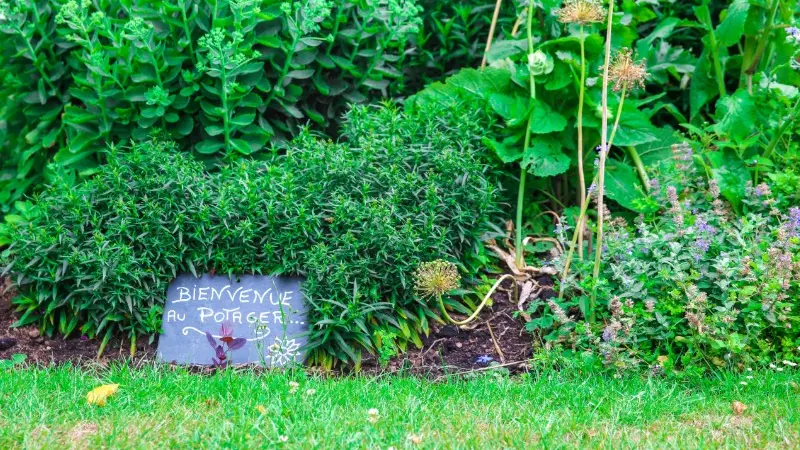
(217, 320)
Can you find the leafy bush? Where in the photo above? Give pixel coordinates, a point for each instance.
(355, 218)
(453, 35)
(221, 78)
(693, 285)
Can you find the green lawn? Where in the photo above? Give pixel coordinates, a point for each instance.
(162, 408)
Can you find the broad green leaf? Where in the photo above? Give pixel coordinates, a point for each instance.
(509, 151)
(513, 108)
(243, 119)
(634, 129)
(242, 146)
(658, 151)
(730, 31)
(546, 119)
(208, 146)
(731, 173)
(736, 116)
(703, 86)
(622, 183)
(544, 158)
(482, 82)
(507, 49)
(662, 31)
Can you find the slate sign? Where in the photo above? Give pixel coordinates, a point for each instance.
(269, 313)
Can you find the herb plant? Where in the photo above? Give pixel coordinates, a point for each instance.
(354, 218)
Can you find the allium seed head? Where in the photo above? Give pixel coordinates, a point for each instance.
(624, 71)
(436, 278)
(581, 12)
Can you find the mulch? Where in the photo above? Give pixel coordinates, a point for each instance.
(496, 338)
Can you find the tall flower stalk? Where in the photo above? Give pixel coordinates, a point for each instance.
(581, 12)
(523, 172)
(604, 148)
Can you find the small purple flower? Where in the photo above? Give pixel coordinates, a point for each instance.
(702, 246)
(703, 226)
(84, 337)
(794, 217)
(600, 148)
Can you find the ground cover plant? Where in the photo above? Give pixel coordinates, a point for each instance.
(355, 218)
(154, 407)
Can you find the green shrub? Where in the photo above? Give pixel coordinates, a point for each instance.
(355, 218)
(221, 78)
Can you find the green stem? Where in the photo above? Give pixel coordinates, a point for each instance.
(33, 58)
(278, 84)
(763, 40)
(224, 98)
(581, 175)
(585, 207)
(523, 171)
(637, 161)
(186, 29)
(714, 48)
(604, 149)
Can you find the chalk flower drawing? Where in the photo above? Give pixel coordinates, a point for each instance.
(283, 351)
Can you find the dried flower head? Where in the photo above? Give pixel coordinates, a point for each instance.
(624, 71)
(581, 12)
(436, 278)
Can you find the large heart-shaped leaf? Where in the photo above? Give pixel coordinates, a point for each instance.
(544, 158)
(622, 184)
(546, 119)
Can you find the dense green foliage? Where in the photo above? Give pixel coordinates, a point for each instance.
(733, 101)
(692, 285)
(223, 78)
(355, 218)
(452, 36)
(750, 106)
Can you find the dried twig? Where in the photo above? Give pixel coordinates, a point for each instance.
(496, 345)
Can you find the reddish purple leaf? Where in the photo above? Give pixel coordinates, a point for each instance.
(237, 343)
(211, 340)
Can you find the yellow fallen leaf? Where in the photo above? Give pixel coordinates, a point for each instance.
(738, 408)
(662, 359)
(100, 394)
(261, 409)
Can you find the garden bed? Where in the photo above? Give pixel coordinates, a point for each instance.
(447, 349)
(52, 350)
